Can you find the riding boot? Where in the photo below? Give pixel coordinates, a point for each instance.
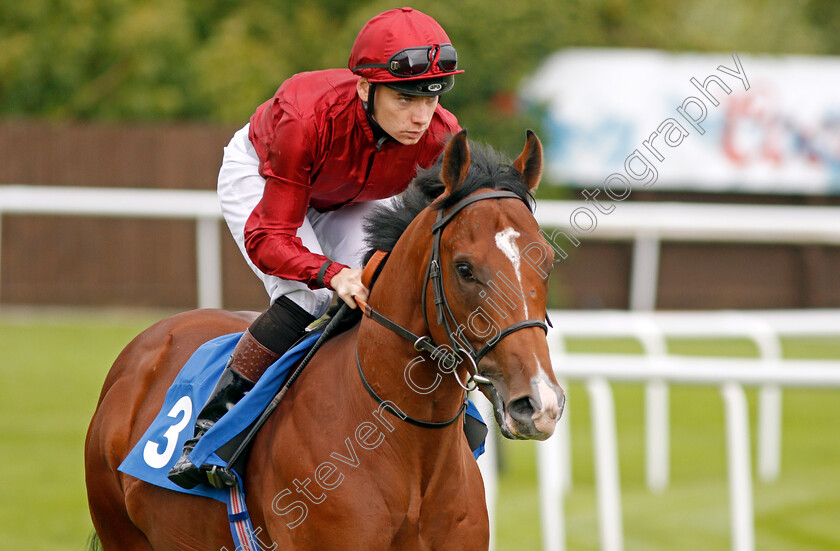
(268, 338)
(249, 357)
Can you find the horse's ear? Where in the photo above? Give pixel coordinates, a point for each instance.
(456, 162)
(530, 161)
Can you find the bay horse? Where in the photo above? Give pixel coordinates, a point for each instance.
(338, 464)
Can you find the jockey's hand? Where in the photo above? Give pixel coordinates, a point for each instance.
(348, 283)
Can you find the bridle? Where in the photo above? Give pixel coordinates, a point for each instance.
(461, 347)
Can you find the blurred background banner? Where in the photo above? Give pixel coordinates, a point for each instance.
(779, 136)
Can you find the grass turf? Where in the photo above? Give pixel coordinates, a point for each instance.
(53, 367)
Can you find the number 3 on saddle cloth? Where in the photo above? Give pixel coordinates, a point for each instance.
(160, 447)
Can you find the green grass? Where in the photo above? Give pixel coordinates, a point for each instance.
(51, 371)
(53, 367)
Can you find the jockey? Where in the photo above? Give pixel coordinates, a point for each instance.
(313, 161)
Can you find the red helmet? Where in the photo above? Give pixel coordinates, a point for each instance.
(406, 50)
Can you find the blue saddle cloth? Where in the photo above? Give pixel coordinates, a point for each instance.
(161, 444)
(160, 447)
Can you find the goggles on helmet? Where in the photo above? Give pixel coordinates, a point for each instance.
(413, 62)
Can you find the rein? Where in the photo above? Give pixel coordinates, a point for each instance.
(444, 314)
(385, 404)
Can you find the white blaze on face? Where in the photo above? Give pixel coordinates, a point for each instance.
(506, 242)
(540, 369)
(548, 398)
(546, 418)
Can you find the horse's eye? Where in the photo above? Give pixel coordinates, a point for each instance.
(465, 271)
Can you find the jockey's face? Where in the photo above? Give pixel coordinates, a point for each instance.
(405, 118)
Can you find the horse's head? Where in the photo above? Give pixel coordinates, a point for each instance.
(494, 269)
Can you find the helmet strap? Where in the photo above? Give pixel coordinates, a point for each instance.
(371, 97)
(379, 135)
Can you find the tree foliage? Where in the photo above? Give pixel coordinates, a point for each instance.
(215, 60)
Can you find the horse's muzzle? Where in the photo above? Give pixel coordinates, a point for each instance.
(533, 416)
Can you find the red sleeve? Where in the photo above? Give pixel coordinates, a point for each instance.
(270, 233)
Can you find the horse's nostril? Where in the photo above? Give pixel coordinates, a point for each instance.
(522, 409)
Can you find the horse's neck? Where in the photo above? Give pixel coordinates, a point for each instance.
(367, 425)
(412, 380)
(392, 366)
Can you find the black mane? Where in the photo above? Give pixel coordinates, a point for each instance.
(488, 169)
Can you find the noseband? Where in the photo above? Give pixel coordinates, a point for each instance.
(460, 347)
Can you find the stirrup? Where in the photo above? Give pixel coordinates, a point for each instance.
(188, 476)
(219, 477)
(184, 473)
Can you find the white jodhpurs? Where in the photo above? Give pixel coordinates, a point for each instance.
(337, 234)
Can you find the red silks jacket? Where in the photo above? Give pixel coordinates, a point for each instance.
(316, 149)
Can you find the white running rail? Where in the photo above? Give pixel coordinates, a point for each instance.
(645, 224)
(200, 206)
